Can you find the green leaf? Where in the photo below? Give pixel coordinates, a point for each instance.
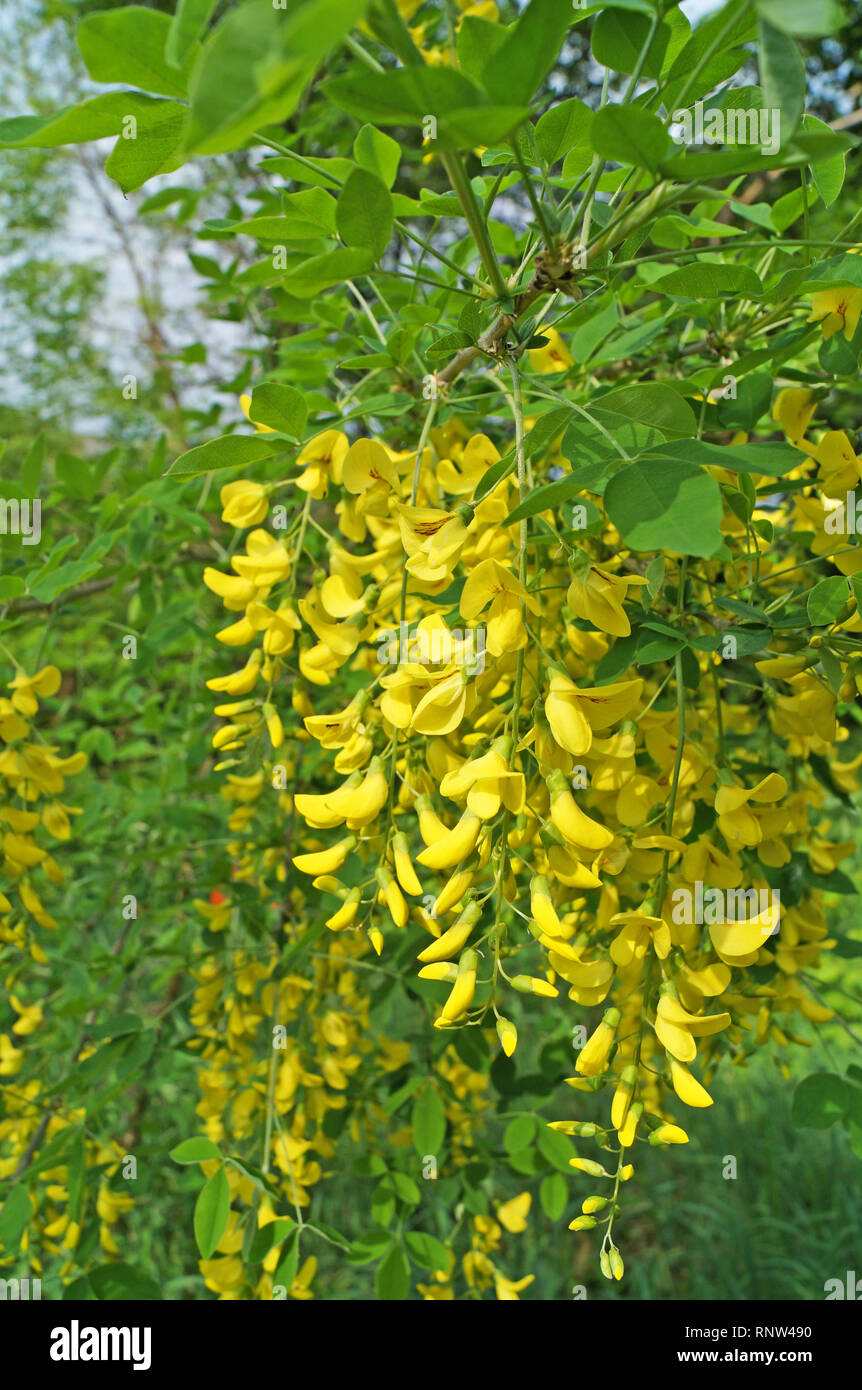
(327, 172)
(556, 1149)
(782, 77)
(369, 1165)
(393, 1276)
(334, 1237)
(826, 600)
(476, 42)
(652, 403)
(618, 39)
(753, 399)
(709, 280)
(76, 476)
(744, 159)
(409, 95)
(808, 19)
(608, 438)
(517, 69)
(369, 1246)
(837, 270)
(705, 52)
(119, 1282)
(187, 26)
(16, 1213)
(212, 1212)
(427, 1251)
(655, 575)
(288, 1263)
(771, 460)
(403, 97)
(281, 407)
(553, 1195)
(90, 120)
(378, 153)
(549, 495)
(429, 1123)
(254, 66)
(832, 669)
(397, 1099)
(320, 273)
(307, 215)
(363, 216)
(651, 648)
(120, 1025)
(519, 1134)
(196, 1150)
(629, 137)
(819, 1101)
(228, 451)
(565, 127)
(47, 587)
(642, 6)
(128, 46)
(828, 174)
(404, 1188)
(151, 152)
(267, 1237)
(666, 505)
(444, 347)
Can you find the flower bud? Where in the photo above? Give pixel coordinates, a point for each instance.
(508, 1035)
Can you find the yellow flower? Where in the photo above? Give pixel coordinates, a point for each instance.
(513, 1214)
(574, 712)
(839, 309)
(507, 1290)
(266, 562)
(368, 468)
(11, 1057)
(301, 1286)
(793, 409)
(737, 823)
(593, 1056)
(676, 1028)
(26, 688)
(322, 458)
(639, 931)
(492, 586)
(598, 597)
(432, 541)
(463, 989)
(554, 356)
(30, 1016)
(687, 1087)
(243, 503)
(477, 455)
(110, 1205)
(488, 783)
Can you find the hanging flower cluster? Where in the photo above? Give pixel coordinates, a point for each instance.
(542, 812)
